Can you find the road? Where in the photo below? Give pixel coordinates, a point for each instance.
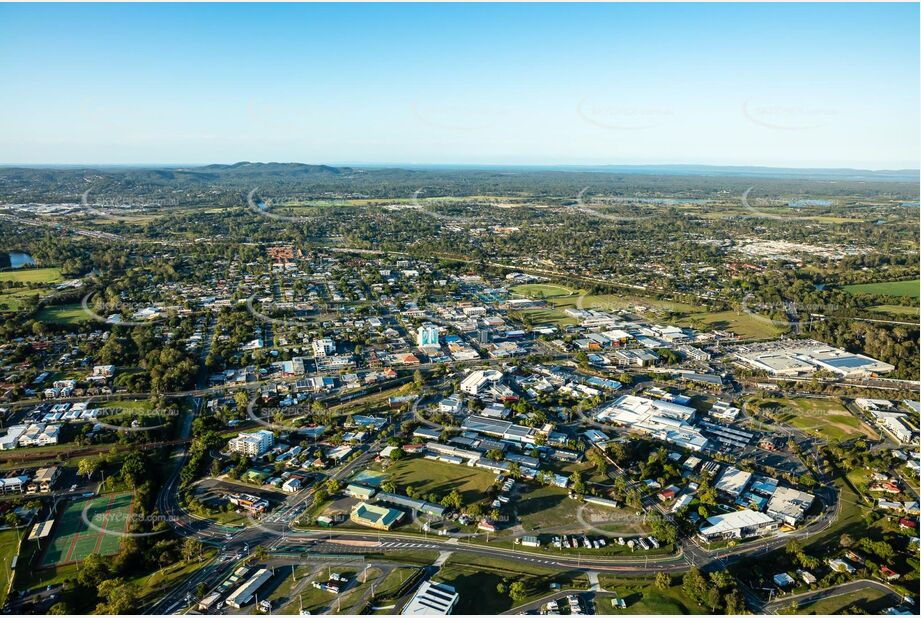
(807, 598)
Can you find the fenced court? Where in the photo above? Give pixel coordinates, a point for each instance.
(74, 540)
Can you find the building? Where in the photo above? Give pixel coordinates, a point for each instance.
(323, 347)
(374, 516)
(804, 357)
(11, 439)
(427, 336)
(477, 382)
(664, 420)
(733, 481)
(504, 430)
(13, 484)
(432, 599)
(789, 505)
(44, 479)
(40, 434)
(245, 593)
(737, 525)
(252, 444)
(361, 492)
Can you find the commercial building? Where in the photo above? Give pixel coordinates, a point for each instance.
(252, 444)
(789, 505)
(804, 357)
(245, 593)
(737, 525)
(373, 516)
(664, 420)
(477, 382)
(733, 481)
(504, 430)
(432, 599)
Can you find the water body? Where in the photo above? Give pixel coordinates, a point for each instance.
(15, 259)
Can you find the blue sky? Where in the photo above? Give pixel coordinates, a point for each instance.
(809, 85)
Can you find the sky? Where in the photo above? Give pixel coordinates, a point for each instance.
(784, 85)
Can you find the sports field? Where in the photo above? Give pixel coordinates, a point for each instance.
(33, 275)
(73, 540)
(910, 287)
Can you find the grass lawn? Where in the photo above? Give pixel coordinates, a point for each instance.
(391, 584)
(898, 310)
(622, 301)
(867, 600)
(642, 597)
(739, 322)
(12, 299)
(475, 579)
(908, 287)
(149, 586)
(63, 314)
(439, 477)
(9, 546)
(33, 275)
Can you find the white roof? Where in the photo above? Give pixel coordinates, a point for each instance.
(721, 524)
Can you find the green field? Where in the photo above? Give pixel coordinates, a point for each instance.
(439, 477)
(824, 418)
(33, 275)
(910, 287)
(899, 310)
(551, 508)
(542, 290)
(63, 314)
(73, 540)
(9, 546)
(742, 324)
(12, 299)
(642, 597)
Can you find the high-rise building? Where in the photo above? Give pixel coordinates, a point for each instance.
(482, 335)
(427, 336)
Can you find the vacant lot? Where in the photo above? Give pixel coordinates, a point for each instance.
(742, 324)
(643, 597)
(32, 275)
(909, 287)
(425, 476)
(824, 418)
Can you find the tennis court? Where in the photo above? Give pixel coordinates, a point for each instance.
(74, 540)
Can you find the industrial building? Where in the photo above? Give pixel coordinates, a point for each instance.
(737, 525)
(432, 599)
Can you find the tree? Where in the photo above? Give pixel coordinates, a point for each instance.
(500, 587)
(517, 592)
(134, 469)
(191, 549)
(575, 480)
(61, 608)
(663, 580)
(241, 399)
(93, 570)
(87, 467)
(597, 458)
